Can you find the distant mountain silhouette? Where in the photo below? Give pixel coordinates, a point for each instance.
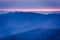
(29, 26)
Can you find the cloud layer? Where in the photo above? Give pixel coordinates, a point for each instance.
(29, 3)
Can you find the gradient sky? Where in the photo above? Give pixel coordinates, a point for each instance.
(29, 3)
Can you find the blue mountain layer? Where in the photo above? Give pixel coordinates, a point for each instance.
(29, 26)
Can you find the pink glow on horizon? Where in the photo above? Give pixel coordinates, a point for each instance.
(30, 10)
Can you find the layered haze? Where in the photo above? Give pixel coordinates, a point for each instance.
(29, 26)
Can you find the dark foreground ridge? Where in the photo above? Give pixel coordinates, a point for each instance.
(36, 34)
(29, 26)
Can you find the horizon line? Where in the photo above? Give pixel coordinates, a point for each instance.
(30, 9)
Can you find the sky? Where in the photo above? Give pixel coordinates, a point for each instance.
(29, 4)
